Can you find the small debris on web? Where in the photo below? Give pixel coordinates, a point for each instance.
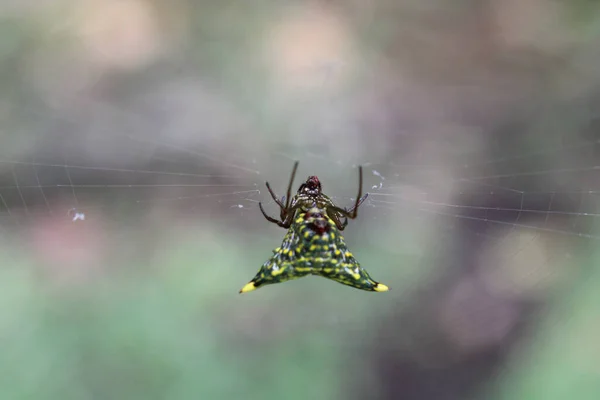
(76, 215)
(378, 174)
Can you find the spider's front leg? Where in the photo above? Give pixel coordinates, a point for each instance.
(287, 216)
(290, 214)
(334, 213)
(274, 196)
(282, 208)
(270, 219)
(360, 201)
(284, 224)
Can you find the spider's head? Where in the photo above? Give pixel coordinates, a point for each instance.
(312, 187)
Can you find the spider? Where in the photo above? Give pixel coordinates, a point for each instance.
(313, 244)
(310, 195)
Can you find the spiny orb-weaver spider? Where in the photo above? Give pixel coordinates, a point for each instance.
(313, 244)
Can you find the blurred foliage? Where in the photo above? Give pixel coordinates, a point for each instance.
(169, 334)
(560, 360)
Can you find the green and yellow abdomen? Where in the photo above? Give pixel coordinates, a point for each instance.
(313, 245)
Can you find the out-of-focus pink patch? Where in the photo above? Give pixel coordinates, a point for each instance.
(473, 319)
(70, 249)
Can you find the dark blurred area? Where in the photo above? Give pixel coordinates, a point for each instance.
(135, 140)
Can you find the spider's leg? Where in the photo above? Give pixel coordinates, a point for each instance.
(282, 210)
(342, 211)
(352, 212)
(289, 189)
(289, 216)
(270, 219)
(362, 199)
(285, 224)
(334, 210)
(333, 214)
(274, 196)
(359, 195)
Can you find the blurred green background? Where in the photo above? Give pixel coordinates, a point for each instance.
(135, 140)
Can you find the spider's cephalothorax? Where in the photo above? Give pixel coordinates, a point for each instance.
(313, 244)
(310, 195)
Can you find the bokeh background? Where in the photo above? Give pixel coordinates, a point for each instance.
(135, 140)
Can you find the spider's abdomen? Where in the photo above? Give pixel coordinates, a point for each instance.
(317, 221)
(317, 232)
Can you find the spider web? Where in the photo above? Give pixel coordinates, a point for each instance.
(551, 190)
